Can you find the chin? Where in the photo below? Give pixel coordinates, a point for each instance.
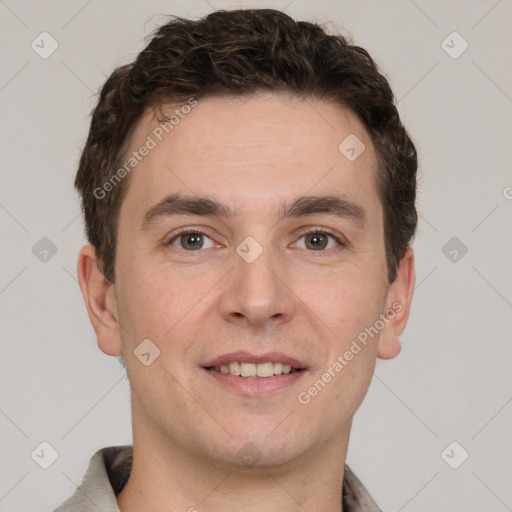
(264, 449)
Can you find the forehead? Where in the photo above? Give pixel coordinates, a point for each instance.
(242, 148)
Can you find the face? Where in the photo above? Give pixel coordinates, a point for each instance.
(264, 274)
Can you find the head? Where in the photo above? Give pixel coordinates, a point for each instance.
(255, 128)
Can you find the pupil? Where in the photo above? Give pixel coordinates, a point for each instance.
(317, 240)
(192, 240)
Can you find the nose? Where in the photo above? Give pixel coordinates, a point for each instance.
(258, 293)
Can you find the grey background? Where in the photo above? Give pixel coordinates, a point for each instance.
(452, 380)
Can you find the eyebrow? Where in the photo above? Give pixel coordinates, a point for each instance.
(179, 204)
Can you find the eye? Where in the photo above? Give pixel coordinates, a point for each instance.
(318, 240)
(191, 240)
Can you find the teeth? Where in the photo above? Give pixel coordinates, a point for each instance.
(234, 368)
(265, 370)
(248, 370)
(255, 370)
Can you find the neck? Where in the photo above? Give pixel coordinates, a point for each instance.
(168, 476)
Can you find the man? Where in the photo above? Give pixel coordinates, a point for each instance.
(248, 191)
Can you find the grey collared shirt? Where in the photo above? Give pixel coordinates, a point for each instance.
(109, 470)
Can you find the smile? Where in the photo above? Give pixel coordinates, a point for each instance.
(252, 370)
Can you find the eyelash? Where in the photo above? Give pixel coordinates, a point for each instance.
(313, 230)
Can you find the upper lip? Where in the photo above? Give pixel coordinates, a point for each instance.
(247, 357)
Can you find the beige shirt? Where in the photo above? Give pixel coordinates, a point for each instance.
(109, 470)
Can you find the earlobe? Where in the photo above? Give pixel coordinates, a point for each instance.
(389, 346)
(398, 306)
(98, 294)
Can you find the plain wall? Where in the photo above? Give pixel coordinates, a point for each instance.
(451, 381)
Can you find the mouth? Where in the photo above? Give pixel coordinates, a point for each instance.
(254, 375)
(254, 371)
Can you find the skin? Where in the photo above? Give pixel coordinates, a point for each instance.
(251, 153)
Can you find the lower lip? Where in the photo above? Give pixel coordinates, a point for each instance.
(256, 386)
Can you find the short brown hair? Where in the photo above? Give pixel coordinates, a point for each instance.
(240, 52)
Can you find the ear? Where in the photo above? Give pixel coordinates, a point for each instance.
(398, 306)
(99, 299)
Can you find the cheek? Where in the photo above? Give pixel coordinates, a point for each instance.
(150, 303)
(346, 302)
(335, 394)
(166, 308)
(349, 306)
(354, 380)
